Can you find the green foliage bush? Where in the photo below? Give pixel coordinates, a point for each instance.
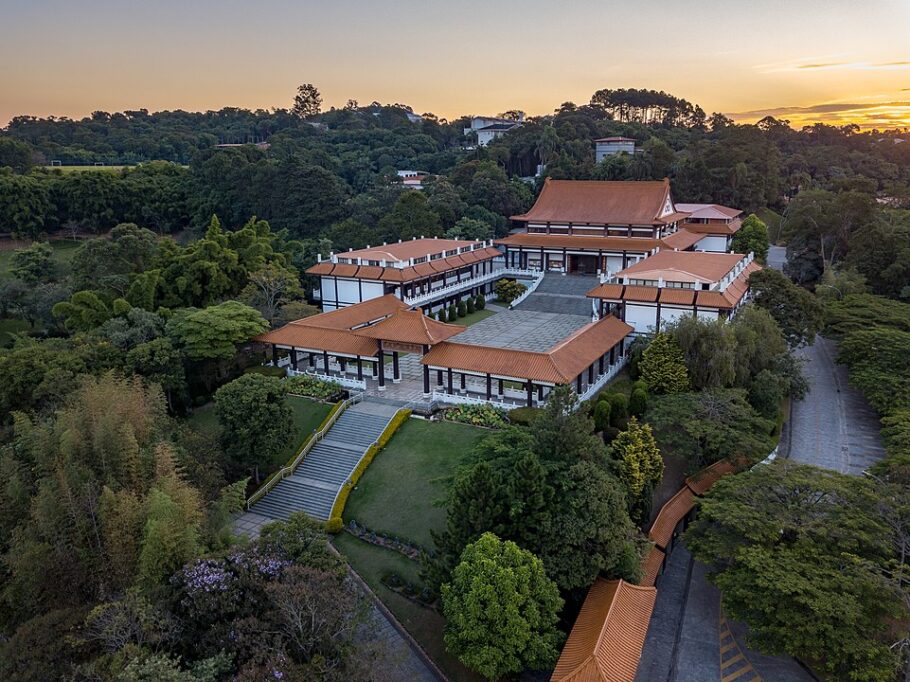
(266, 370)
(311, 387)
(638, 402)
(523, 416)
(470, 305)
(477, 415)
(334, 525)
(453, 314)
(461, 309)
(602, 415)
(480, 302)
(619, 408)
(507, 290)
(441, 315)
(400, 418)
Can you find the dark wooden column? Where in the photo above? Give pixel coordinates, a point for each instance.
(600, 365)
(500, 388)
(381, 365)
(294, 359)
(578, 384)
(463, 382)
(613, 355)
(591, 373)
(530, 387)
(311, 359)
(359, 369)
(449, 380)
(439, 377)
(274, 355)
(426, 380)
(540, 392)
(489, 387)
(325, 361)
(344, 364)
(396, 370)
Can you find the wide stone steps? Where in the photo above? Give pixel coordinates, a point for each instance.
(312, 487)
(559, 293)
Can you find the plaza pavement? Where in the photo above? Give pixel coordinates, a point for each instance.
(522, 330)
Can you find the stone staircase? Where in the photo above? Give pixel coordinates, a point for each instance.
(559, 293)
(315, 483)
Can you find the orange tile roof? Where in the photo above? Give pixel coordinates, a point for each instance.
(641, 294)
(709, 210)
(599, 202)
(670, 515)
(558, 365)
(714, 228)
(411, 326)
(356, 315)
(651, 565)
(407, 274)
(321, 339)
(701, 482)
(677, 296)
(578, 242)
(606, 641)
(407, 250)
(683, 266)
(682, 239)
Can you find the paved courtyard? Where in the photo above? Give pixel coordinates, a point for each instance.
(522, 329)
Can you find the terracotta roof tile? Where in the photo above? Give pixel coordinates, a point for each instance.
(642, 294)
(709, 210)
(606, 291)
(651, 566)
(406, 274)
(714, 228)
(321, 338)
(410, 326)
(355, 315)
(606, 641)
(702, 482)
(674, 511)
(683, 266)
(559, 241)
(682, 239)
(558, 365)
(599, 202)
(414, 248)
(677, 296)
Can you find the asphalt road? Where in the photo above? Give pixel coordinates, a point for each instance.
(833, 427)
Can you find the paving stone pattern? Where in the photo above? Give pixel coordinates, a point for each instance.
(522, 330)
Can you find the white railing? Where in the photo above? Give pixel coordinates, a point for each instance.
(462, 399)
(433, 294)
(538, 278)
(602, 380)
(347, 382)
(286, 471)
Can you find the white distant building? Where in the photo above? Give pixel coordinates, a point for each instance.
(488, 128)
(608, 146)
(413, 179)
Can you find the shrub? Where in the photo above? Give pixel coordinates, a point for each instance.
(480, 302)
(268, 371)
(400, 418)
(642, 384)
(453, 313)
(638, 402)
(334, 525)
(602, 415)
(477, 415)
(523, 415)
(507, 290)
(470, 305)
(441, 315)
(461, 309)
(619, 407)
(306, 385)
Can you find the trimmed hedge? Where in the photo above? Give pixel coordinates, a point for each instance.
(311, 387)
(267, 370)
(338, 508)
(523, 415)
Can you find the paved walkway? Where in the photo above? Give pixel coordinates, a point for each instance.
(523, 329)
(833, 427)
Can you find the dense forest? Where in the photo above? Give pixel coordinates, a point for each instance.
(130, 294)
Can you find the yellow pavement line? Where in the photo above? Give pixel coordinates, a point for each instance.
(739, 673)
(724, 632)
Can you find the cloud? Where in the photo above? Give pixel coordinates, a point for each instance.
(828, 65)
(896, 65)
(865, 114)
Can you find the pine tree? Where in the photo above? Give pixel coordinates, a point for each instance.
(662, 366)
(639, 465)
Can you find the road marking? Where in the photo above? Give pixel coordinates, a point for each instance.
(730, 669)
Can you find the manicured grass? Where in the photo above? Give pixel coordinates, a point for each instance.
(424, 624)
(64, 249)
(307, 415)
(397, 493)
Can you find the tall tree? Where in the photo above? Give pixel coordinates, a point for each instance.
(307, 101)
(662, 366)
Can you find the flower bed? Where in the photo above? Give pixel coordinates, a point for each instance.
(477, 415)
(421, 595)
(405, 547)
(311, 387)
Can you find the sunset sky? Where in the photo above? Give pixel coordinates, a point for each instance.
(804, 60)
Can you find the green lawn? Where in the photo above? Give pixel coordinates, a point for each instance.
(397, 495)
(398, 491)
(307, 414)
(426, 625)
(64, 249)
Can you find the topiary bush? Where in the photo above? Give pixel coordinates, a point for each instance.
(461, 309)
(480, 302)
(453, 313)
(470, 305)
(334, 525)
(638, 402)
(441, 315)
(602, 415)
(619, 408)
